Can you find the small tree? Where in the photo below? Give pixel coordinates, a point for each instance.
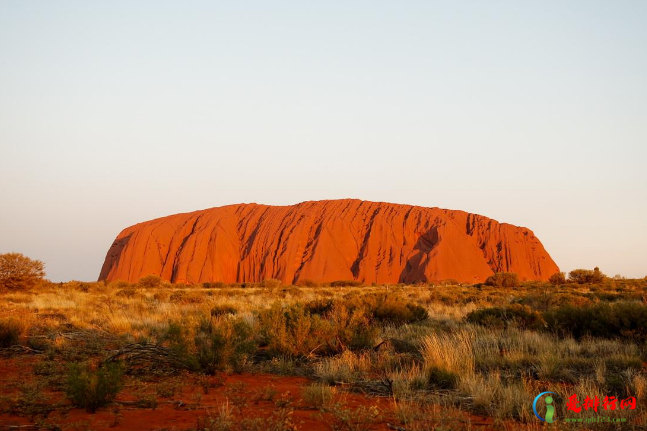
(20, 272)
(90, 388)
(557, 278)
(586, 276)
(503, 279)
(151, 281)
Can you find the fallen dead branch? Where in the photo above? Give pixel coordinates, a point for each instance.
(16, 350)
(141, 354)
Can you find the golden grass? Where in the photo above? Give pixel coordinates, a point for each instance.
(451, 351)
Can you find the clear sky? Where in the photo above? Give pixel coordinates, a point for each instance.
(530, 112)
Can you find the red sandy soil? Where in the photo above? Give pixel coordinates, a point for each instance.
(182, 410)
(326, 241)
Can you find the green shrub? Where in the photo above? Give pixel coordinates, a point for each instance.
(557, 278)
(9, 333)
(216, 344)
(395, 312)
(176, 338)
(607, 320)
(616, 379)
(503, 279)
(223, 345)
(150, 281)
(290, 330)
(296, 332)
(307, 283)
(387, 308)
(177, 296)
(91, 389)
(438, 378)
(127, 292)
(351, 329)
(517, 315)
(346, 283)
(118, 284)
(319, 306)
(214, 285)
(586, 276)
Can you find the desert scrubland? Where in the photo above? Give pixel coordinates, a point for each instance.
(154, 355)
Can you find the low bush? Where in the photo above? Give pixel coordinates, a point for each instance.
(291, 330)
(352, 328)
(150, 281)
(346, 283)
(520, 316)
(91, 389)
(118, 284)
(397, 312)
(386, 308)
(297, 332)
(176, 338)
(319, 306)
(503, 279)
(586, 276)
(186, 297)
(607, 320)
(223, 345)
(307, 283)
(9, 333)
(438, 378)
(161, 296)
(127, 292)
(216, 344)
(557, 278)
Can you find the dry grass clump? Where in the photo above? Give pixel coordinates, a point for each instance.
(345, 368)
(318, 396)
(452, 351)
(10, 331)
(490, 395)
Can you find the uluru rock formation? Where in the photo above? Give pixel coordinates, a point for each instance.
(323, 241)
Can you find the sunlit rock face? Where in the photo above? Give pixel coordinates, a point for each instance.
(326, 241)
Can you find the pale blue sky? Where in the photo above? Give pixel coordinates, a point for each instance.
(530, 112)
